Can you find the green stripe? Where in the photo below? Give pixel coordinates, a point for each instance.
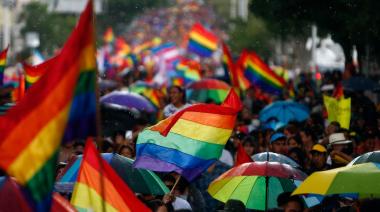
(42, 183)
(86, 82)
(218, 95)
(186, 145)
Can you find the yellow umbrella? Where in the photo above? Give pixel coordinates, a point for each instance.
(361, 179)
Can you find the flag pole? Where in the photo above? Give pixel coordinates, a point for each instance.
(175, 184)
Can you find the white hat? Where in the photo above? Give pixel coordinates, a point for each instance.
(328, 87)
(338, 138)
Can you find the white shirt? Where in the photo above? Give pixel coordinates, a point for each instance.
(180, 203)
(170, 109)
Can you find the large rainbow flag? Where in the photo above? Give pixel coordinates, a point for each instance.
(202, 41)
(189, 141)
(59, 107)
(3, 63)
(99, 188)
(260, 75)
(33, 73)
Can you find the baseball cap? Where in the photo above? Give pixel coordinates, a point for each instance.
(318, 148)
(276, 137)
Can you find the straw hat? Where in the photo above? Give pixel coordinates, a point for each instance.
(338, 138)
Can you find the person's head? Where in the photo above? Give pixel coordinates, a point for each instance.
(318, 156)
(297, 155)
(294, 204)
(126, 151)
(78, 147)
(177, 95)
(157, 205)
(278, 143)
(282, 199)
(233, 205)
(338, 141)
(294, 141)
(107, 146)
(333, 127)
(250, 146)
(169, 181)
(307, 136)
(237, 138)
(118, 137)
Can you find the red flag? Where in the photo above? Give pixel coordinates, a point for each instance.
(338, 92)
(242, 156)
(233, 101)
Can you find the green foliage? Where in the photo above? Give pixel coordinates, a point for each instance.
(350, 22)
(252, 35)
(53, 28)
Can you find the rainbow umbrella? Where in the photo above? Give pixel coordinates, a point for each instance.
(208, 89)
(256, 184)
(366, 158)
(361, 179)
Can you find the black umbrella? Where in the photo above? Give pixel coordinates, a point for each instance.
(116, 118)
(359, 83)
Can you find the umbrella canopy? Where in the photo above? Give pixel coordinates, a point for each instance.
(115, 118)
(366, 158)
(208, 89)
(284, 111)
(359, 83)
(107, 85)
(256, 184)
(139, 180)
(128, 100)
(361, 179)
(274, 157)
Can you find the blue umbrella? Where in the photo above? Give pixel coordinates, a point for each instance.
(284, 111)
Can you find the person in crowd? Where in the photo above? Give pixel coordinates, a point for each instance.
(176, 202)
(278, 143)
(250, 146)
(189, 192)
(298, 156)
(157, 205)
(233, 205)
(339, 150)
(126, 151)
(318, 159)
(295, 142)
(177, 99)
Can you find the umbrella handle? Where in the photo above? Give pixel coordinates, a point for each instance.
(175, 184)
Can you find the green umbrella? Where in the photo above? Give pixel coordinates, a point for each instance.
(139, 180)
(256, 184)
(361, 179)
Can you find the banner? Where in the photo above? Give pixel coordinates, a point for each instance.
(338, 110)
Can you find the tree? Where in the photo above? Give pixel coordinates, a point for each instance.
(349, 22)
(52, 28)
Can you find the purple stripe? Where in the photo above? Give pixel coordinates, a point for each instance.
(153, 164)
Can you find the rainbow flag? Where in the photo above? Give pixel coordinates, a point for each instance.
(229, 67)
(147, 91)
(244, 84)
(3, 63)
(99, 188)
(189, 141)
(142, 47)
(60, 106)
(122, 48)
(260, 75)
(188, 71)
(202, 41)
(33, 73)
(108, 36)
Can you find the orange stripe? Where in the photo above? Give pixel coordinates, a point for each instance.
(91, 177)
(208, 119)
(19, 138)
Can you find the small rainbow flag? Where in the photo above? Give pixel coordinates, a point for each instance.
(147, 91)
(122, 48)
(260, 75)
(142, 47)
(60, 106)
(230, 67)
(99, 188)
(108, 36)
(243, 81)
(33, 73)
(3, 63)
(189, 141)
(202, 41)
(188, 70)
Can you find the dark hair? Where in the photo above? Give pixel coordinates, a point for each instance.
(126, 147)
(168, 178)
(106, 145)
(300, 154)
(297, 138)
(181, 90)
(155, 204)
(296, 199)
(282, 198)
(250, 141)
